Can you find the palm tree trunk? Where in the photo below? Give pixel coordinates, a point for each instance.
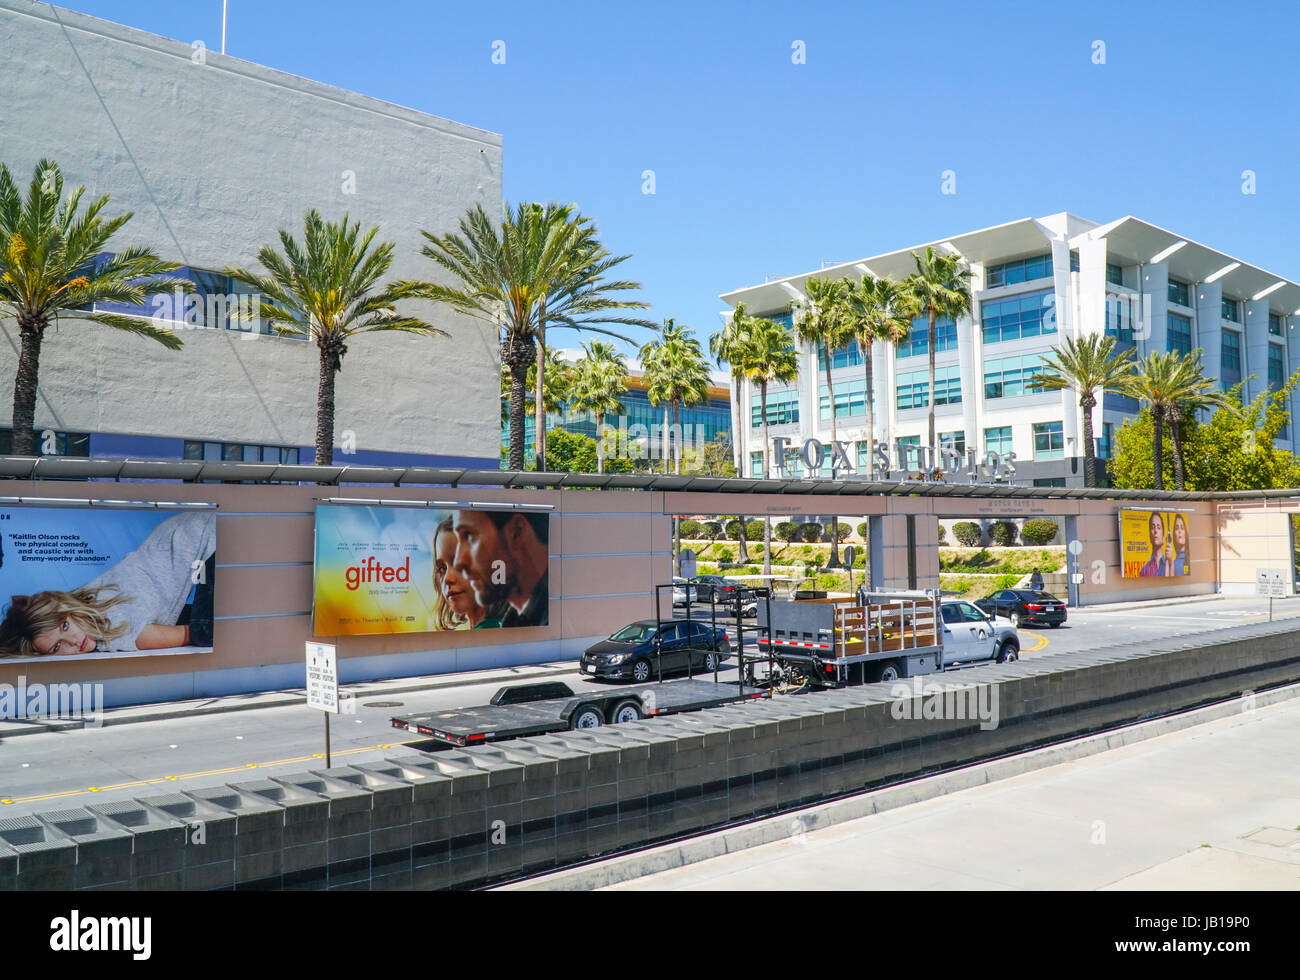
(329, 365)
(667, 450)
(743, 556)
(871, 415)
(1176, 444)
(677, 421)
(600, 443)
(1158, 445)
(1086, 404)
(932, 338)
(539, 406)
(767, 473)
(517, 353)
(741, 424)
(835, 521)
(32, 331)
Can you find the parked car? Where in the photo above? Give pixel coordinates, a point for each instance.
(1025, 607)
(639, 650)
(968, 629)
(709, 588)
(684, 593)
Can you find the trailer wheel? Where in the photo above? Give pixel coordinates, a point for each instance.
(888, 672)
(587, 716)
(625, 711)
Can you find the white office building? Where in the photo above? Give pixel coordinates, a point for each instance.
(1034, 282)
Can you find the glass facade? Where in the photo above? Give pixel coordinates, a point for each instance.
(955, 441)
(1114, 274)
(241, 452)
(1275, 324)
(849, 356)
(1049, 481)
(1178, 333)
(850, 400)
(1021, 270)
(1230, 360)
(1119, 320)
(782, 409)
(1049, 440)
(1179, 293)
(998, 440)
(1277, 376)
(913, 387)
(917, 341)
(1105, 442)
(1018, 317)
(1008, 377)
(1230, 310)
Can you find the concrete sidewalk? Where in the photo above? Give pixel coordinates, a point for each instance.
(1214, 806)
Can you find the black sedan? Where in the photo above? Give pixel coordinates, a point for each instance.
(1025, 607)
(639, 651)
(715, 588)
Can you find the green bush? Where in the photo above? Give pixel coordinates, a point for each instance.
(724, 555)
(863, 529)
(845, 531)
(733, 530)
(1038, 531)
(711, 530)
(968, 533)
(757, 549)
(787, 531)
(1002, 533)
(689, 529)
(752, 570)
(754, 530)
(810, 532)
(943, 534)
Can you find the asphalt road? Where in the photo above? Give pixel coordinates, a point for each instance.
(72, 768)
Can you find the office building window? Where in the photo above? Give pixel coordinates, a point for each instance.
(909, 448)
(785, 317)
(1119, 319)
(1114, 274)
(865, 460)
(1230, 310)
(1049, 481)
(998, 440)
(782, 409)
(1180, 293)
(756, 465)
(1276, 366)
(1275, 324)
(848, 356)
(1017, 317)
(1021, 270)
(1074, 261)
(240, 452)
(50, 443)
(1105, 443)
(1008, 377)
(913, 387)
(850, 400)
(1049, 440)
(793, 465)
(955, 441)
(1230, 360)
(1178, 333)
(917, 341)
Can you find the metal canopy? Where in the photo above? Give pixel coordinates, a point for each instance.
(73, 468)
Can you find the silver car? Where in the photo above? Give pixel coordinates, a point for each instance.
(971, 635)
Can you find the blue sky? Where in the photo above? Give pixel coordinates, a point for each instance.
(766, 167)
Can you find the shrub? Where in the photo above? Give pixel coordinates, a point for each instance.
(689, 529)
(845, 531)
(1038, 531)
(943, 534)
(810, 532)
(712, 530)
(757, 549)
(968, 533)
(1002, 533)
(863, 528)
(830, 582)
(752, 570)
(724, 555)
(754, 530)
(733, 530)
(787, 531)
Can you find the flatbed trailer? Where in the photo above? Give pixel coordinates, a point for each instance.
(514, 713)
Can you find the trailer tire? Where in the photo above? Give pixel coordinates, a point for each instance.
(887, 672)
(586, 716)
(625, 711)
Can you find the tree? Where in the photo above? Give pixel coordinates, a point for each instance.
(715, 459)
(727, 346)
(599, 378)
(878, 310)
(825, 321)
(1085, 365)
(676, 374)
(528, 271)
(53, 263)
(939, 287)
(328, 289)
(1166, 382)
(769, 356)
(573, 452)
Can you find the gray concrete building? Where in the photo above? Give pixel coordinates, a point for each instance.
(214, 155)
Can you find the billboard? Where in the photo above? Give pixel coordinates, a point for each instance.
(1154, 544)
(89, 582)
(390, 569)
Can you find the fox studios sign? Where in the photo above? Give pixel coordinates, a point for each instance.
(913, 462)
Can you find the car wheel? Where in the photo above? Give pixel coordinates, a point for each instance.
(626, 711)
(888, 672)
(1019, 620)
(1055, 626)
(710, 662)
(641, 671)
(1008, 653)
(587, 716)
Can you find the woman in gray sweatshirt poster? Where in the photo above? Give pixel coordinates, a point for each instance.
(156, 597)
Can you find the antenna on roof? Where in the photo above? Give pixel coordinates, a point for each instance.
(223, 26)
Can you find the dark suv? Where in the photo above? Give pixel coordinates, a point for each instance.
(1025, 607)
(640, 650)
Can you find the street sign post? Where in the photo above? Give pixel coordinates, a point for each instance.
(1269, 582)
(850, 553)
(323, 685)
(686, 563)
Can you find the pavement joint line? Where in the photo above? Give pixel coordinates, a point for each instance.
(821, 816)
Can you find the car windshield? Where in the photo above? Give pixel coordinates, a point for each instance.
(634, 633)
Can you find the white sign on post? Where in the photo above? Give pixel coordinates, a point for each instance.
(688, 565)
(323, 677)
(1269, 583)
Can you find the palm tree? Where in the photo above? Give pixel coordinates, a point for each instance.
(599, 378)
(328, 289)
(1167, 382)
(877, 308)
(939, 287)
(1200, 393)
(676, 374)
(532, 270)
(769, 356)
(1084, 365)
(825, 320)
(728, 346)
(53, 262)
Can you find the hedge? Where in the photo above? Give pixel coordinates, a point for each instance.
(1002, 533)
(711, 530)
(689, 529)
(943, 534)
(754, 530)
(845, 531)
(810, 532)
(1038, 530)
(968, 533)
(787, 531)
(863, 528)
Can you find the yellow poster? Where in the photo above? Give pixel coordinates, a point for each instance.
(1154, 544)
